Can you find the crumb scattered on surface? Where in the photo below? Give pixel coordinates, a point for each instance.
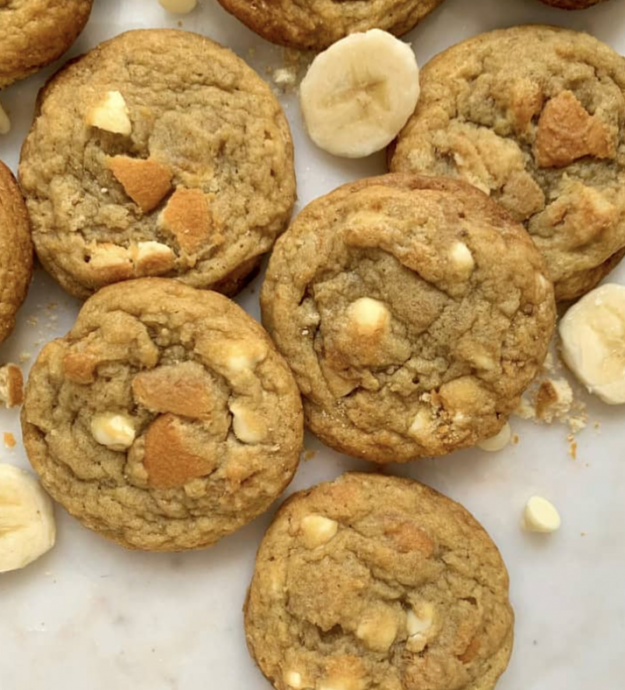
(24, 357)
(9, 440)
(572, 446)
(515, 439)
(309, 454)
(32, 321)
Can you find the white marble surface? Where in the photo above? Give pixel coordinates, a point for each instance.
(91, 616)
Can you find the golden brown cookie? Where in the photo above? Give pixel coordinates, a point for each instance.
(159, 153)
(572, 4)
(533, 116)
(34, 33)
(316, 24)
(165, 419)
(16, 251)
(413, 312)
(378, 582)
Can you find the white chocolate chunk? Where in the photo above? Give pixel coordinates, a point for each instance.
(541, 515)
(179, 6)
(418, 624)
(462, 258)
(293, 679)
(368, 316)
(116, 431)
(111, 114)
(318, 530)
(497, 442)
(422, 423)
(248, 427)
(244, 357)
(378, 631)
(5, 123)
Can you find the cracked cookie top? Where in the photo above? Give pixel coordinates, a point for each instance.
(159, 153)
(316, 24)
(535, 117)
(34, 33)
(378, 583)
(165, 419)
(16, 251)
(413, 312)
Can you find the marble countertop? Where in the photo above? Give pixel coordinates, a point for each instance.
(91, 616)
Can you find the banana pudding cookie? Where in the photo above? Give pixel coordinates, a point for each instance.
(535, 117)
(572, 4)
(316, 24)
(413, 313)
(378, 583)
(34, 33)
(159, 153)
(165, 419)
(16, 251)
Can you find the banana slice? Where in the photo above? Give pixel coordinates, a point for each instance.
(593, 342)
(27, 527)
(359, 93)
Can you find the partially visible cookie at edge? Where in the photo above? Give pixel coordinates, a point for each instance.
(34, 33)
(572, 4)
(165, 419)
(16, 251)
(413, 312)
(378, 582)
(535, 117)
(158, 153)
(317, 24)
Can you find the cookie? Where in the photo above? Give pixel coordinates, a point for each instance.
(34, 33)
(533, 116)
(413, 313)
(378, 582)
(16, 251)
(316, 24)
(165, 419)
(572, 4)
(159, 153)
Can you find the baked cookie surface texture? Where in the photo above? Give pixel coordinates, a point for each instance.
(16, 251)
(159, 153)
(535, 117)
(378, 583)
(165, 419)
(315, 24)
(413, 312)
(34, 33)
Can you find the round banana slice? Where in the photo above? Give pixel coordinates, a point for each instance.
(27, 527)
(593, 342)
(359, 93)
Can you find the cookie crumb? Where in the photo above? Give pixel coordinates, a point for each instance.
(286, 77)
(9, 439)
(309, 454)
(24, 356)
(11, 385)
(572, 446)
(515, 440)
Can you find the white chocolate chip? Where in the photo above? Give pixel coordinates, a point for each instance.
(497, 442)
(179, 6)
(111, 114)
(116, 431)
(368, 316)
(293, 679)
(5, 123)
(247, 425)
(541, 516)
(318, 530)
(378, 631)
(462, 258)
